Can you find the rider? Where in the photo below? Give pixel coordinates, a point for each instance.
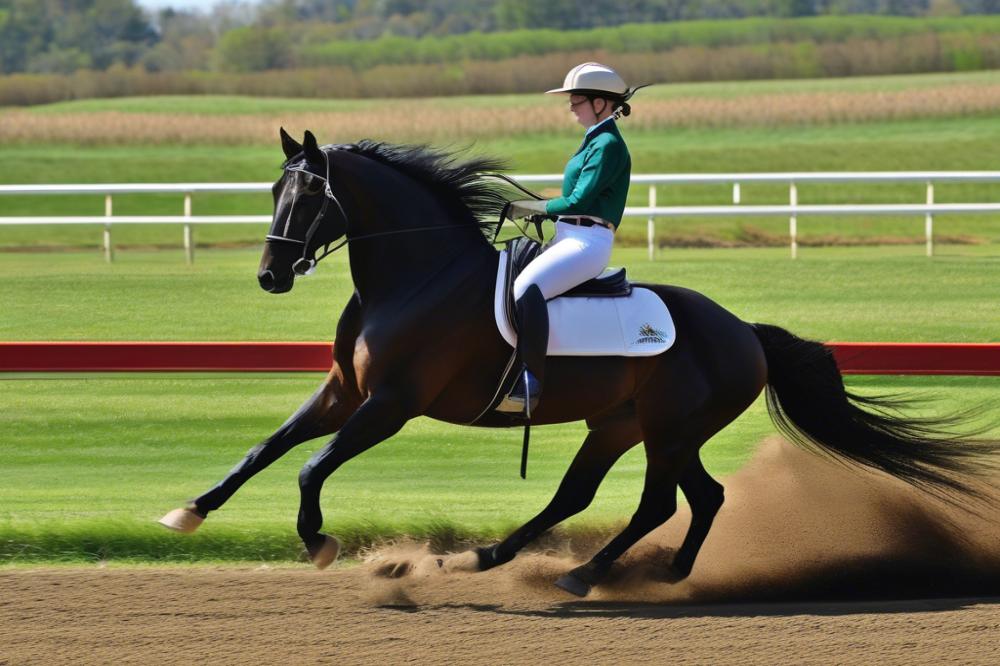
(595, 186)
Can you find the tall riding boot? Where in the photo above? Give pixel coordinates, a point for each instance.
(531, 315)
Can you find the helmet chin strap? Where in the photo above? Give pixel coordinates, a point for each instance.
(597, 116)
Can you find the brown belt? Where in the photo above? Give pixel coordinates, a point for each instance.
(586, 221)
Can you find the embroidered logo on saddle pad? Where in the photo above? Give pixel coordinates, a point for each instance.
(648, 335)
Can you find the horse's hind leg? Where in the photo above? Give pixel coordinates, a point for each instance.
(604, 445)
(322, 414)
(705, 496)
(658, 504)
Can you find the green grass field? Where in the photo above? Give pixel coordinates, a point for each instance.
(92, 460)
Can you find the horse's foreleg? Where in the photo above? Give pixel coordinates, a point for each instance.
(602, 448)
(705, 496)
(377, 419)
(322, 414)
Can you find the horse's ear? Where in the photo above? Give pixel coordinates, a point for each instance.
(289, 145)
(311, 148)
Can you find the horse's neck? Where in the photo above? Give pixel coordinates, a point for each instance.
(421, 241)
(421, 244)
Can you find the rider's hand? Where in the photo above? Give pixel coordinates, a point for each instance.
(526, 207)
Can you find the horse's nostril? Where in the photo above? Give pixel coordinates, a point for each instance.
(266, 279)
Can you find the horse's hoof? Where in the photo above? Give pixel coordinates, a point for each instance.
(324, 555)
(486, 557)
(675, 574)
(182, 520)
(573, 585)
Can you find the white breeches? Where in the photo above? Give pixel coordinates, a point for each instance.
(575, 255)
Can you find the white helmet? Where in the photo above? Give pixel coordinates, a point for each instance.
(595, 80)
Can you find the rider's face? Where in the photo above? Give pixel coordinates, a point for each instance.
(584, 110)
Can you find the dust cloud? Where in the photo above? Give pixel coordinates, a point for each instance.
(795, 527)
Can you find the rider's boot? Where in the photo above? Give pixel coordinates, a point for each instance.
(531, 315)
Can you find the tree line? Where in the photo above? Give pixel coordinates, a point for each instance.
(67, 36)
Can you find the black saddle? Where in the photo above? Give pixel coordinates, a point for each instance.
(610, 284)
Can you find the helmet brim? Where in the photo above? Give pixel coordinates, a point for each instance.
(588, 92)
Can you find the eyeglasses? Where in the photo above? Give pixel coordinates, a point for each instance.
(573, 105)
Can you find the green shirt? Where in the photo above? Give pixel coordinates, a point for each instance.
(597, 177)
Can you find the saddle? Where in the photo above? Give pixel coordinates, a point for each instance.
(605, 316)
(522, 250)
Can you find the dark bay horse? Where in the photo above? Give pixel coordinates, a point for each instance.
(418, 337)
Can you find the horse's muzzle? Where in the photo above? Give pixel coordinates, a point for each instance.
(270, 284)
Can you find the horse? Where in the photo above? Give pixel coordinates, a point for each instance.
(418, 338)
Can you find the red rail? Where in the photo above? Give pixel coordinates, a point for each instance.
(165, 356)
(866, 358)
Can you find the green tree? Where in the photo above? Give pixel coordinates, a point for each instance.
(254, 49)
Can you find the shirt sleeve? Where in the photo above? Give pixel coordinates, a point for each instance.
(600, 167)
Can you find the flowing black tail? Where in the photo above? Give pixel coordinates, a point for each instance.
(808, 403)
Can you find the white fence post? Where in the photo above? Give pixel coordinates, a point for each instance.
(109, 253)
(929, 221)
(188, 240)
(650, 225)
(793, 200)
(736, 193)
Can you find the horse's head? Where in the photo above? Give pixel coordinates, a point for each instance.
(307, 215)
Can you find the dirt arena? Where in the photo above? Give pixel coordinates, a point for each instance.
(808, 562)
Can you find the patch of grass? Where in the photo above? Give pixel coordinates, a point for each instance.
(828, 293)
(90, 464)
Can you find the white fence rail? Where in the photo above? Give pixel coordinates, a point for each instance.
(793, 210)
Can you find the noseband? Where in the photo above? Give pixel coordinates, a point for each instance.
(305, 265)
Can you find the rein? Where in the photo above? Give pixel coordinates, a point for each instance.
(535, 219)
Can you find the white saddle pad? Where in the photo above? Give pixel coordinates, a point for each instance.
(635, 325)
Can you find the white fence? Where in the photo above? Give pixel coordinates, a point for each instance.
(793, 210)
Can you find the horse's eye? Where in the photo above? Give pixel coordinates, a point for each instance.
(313, 185)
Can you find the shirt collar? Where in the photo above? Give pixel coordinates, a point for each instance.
(596, 125)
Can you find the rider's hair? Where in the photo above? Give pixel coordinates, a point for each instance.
(622, 109)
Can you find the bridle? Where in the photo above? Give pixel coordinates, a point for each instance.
(305, 265)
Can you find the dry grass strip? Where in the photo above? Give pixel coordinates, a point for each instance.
(438, 120)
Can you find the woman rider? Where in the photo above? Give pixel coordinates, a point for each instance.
(595, 186)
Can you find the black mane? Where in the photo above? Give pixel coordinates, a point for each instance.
(459, 185)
